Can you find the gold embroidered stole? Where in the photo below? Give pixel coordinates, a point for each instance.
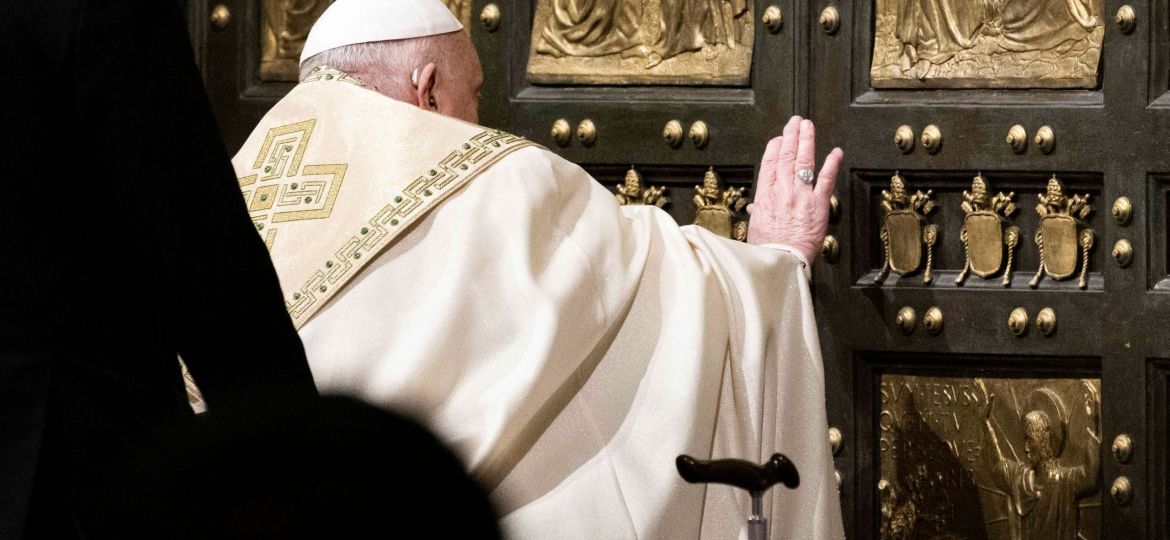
(335, 172)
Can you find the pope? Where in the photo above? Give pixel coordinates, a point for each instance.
(567, 347)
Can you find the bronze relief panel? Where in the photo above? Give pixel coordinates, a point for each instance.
(964, 457)
(284, 25)
(642, 42)
(945, 229)
(987, 43)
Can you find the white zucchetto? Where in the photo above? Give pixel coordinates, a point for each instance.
(348, 22)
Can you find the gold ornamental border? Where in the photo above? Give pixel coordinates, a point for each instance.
(460, 166)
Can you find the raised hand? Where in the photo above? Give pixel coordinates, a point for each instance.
(988, 398)
(791, 207)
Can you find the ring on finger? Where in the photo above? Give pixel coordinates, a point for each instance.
(806, 176)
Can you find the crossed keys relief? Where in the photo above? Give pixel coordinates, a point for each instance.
(281, 189)
(905, 231)
(983, 234)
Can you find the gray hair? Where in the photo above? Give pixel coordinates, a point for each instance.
(387, 65)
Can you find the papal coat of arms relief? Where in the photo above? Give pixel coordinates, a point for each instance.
(631, 191)
(983, 234)
(719, 210)
(904, 231)
(1062, 234)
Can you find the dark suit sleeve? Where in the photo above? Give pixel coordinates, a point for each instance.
(141, 102)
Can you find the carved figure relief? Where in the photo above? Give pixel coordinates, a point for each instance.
(641, 42)
(983, 234)
(631, 192)
(989, 458)
(461, 9)
(285, 24)
(1062, 231)
(904, 231)
(718, 208)
(987, 43)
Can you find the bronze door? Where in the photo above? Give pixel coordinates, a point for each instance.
(641, 95)
(727, 92)
(930, 91)
(939, 299)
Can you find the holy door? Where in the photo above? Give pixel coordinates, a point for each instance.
(993, 292)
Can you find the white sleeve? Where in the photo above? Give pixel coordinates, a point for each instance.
(805, 266)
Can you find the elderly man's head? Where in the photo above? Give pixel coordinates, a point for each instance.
(438, 73)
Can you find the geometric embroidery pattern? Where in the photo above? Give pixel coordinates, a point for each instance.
(282, 189)
(326, 73)
(459, 166)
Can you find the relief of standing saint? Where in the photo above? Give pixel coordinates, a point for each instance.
(1044, 489)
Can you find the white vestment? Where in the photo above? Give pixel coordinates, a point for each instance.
(568, 348)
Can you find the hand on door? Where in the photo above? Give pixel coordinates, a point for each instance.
(790, 207)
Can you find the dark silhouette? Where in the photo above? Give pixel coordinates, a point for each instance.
(124, 243)
(334, 469)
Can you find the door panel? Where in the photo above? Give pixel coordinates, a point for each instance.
(1101, 127)
(949, 466)
(1104, 94)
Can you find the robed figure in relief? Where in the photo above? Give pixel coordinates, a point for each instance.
(652, 29)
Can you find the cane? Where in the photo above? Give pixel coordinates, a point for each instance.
(755, 479)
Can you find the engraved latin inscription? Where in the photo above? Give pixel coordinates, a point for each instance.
(989, 458)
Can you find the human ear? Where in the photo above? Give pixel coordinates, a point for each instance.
(425, 86)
